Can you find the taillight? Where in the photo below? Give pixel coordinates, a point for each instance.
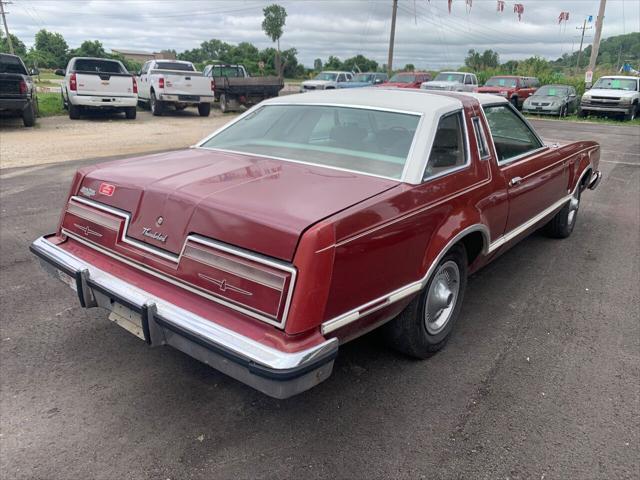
(161, 82)
(73, 82)
(135, 85)
(23, 87)
(213, 85)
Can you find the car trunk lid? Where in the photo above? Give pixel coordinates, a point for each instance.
(260, 204)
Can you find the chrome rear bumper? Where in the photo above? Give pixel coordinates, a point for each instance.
(276, 373)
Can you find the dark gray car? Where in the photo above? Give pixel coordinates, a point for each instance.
(560, 100)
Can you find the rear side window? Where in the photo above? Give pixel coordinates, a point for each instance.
(448, 151)
(98, 66)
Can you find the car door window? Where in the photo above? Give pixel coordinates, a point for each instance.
(467, 80)
(341, 77)
(512, 137)
(449, 147)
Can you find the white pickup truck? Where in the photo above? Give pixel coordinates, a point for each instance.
(612, 95)
(164, 83)
(98, 83)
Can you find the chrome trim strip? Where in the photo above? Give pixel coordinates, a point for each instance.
(276, 264)
(404, 291)
(205, 329)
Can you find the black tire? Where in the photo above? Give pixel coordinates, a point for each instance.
(631, 115)
(74, 112)
(409, 332)
(204, 109)
(155, 105)
(224, 104)
(514, 102)
(130, 113)
(563, 111)
(581, 113)
(29, 115)
(561, 225)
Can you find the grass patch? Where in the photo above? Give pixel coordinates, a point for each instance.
(50, 104)
(592, 119)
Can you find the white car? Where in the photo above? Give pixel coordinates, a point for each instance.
(326, 81)
(452, 82)
(164, 83)
(98, 83)
(614, 94)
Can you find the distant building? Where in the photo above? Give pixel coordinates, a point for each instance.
(141, 56)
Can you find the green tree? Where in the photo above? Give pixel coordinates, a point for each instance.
(89, 48)
(360, 62)
(53, 46)
(18, 47)
(273, 25)
(490, 59)
(333, 63)
(409, 67)
(317, 64)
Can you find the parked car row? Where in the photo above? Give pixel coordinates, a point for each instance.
(610, 95)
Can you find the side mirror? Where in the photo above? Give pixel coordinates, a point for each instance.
(34, 71)
(60, 72)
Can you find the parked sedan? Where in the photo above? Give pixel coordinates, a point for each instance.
(310, 220)
(558, 100)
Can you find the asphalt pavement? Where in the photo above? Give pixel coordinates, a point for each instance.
(540, 380)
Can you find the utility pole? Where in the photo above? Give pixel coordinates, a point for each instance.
(583, 27)
(596, 41)
(392, 37)
(6, 29)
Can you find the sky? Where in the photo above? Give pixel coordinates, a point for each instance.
(426, 34)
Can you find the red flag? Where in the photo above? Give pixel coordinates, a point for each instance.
(519, 9)
(469, 3)
(449, 5)
(500, 6)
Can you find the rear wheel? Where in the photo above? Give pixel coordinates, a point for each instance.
(130, 113)
(425, 325)
(29, 115)
(204, 109)
(74, 111)
(562, 224)
(224, 105)
(155, 105)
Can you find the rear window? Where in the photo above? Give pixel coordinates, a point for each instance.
(9, 64)
(502, 82)
(186, 67)
(363, 140)
(98, 66)
(233, 72)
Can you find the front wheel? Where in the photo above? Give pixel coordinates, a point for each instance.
(425, 325)
(631, 115)
(204, 109)
(561, 225)
(581, 113)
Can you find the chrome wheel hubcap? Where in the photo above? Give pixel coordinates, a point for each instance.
(573, 208)
(442, 297)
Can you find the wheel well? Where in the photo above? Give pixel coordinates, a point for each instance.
(585, 179)
(473, 245)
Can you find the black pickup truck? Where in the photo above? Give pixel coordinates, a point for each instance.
(17, 91)
(234, 86)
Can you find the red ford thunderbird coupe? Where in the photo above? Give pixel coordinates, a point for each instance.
(310, 220)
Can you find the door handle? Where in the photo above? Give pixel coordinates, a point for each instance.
(515, 181)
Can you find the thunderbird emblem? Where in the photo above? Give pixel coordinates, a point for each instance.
(161, 237)
(223, 285)
(87, 230)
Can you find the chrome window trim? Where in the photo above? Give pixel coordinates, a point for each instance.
(408, 160)
(467, 150)
(273, 263)
(482, 138)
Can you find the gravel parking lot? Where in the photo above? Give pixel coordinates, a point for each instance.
(540, 381)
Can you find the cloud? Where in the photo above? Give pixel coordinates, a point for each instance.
(426, 35)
